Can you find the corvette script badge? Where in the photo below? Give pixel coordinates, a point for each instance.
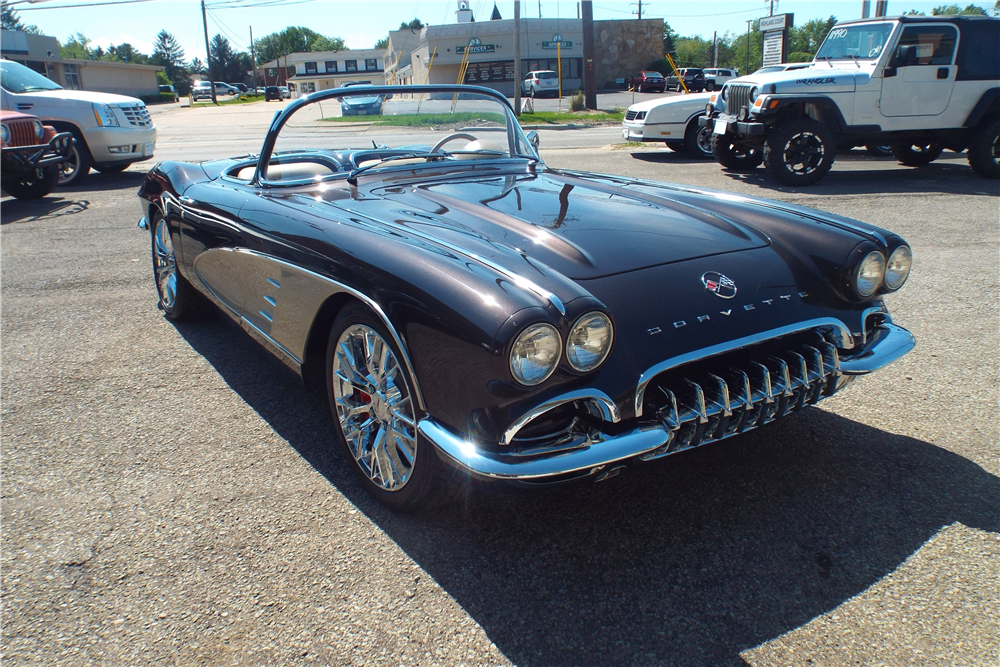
(719, 284)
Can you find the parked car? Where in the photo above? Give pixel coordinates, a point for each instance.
(468, 311)
(203, 90)
(260, 90)
(110, 131)
(285, 92)
(540, 83)
(169, 90)
(694, 80)
(240, 87)
(272, 93)
(918, 84)
(647, 82)
(361, 105)
(716, 76)
(672, 120)
(30, 155)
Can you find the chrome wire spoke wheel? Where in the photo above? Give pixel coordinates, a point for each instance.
(374, 407)
(164, 264)
(803, 153)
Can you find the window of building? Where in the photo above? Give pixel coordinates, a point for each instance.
(310, 68)
(272, 71)
(351, 65)
(71, 76)
(331, 65)
(371, 64)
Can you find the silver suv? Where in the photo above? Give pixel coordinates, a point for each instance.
(540, 82)
(111, 131)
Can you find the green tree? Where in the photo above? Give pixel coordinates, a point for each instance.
(167, 52)
(415, 24)
(807, 38)
(946, 10)
(77, 47)
(742, 48)
(382, 43)
(197, 67)
(125, 53)
(9, 20)
(223, 60)
(294, 39)
(914, 12)
(693, 52)
(670, 37)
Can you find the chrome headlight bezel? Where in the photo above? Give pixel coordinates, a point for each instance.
(105, 115)
(535, 336)
(573, 356)
(897, 267)
(39, 129)
(5, 133)
(869, 275)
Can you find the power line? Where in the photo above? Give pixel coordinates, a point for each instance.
(227, 30)
(88, 4)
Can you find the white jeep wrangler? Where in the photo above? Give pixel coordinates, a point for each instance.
(917, 84)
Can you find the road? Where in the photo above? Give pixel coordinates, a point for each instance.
(170, 495)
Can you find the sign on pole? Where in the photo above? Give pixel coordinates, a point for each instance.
(775, 29)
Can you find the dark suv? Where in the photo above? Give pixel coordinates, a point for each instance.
(272, 93)
(694, 80)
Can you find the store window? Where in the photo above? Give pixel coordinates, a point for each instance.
(351, 65)
(310, 68)
(331, 65)
(371, 64)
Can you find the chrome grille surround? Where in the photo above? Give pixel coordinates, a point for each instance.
(630, 114)
(738, 96)
(136, 114)
(727, 395)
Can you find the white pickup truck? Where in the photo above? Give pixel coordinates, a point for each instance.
(917, 84)
(111, 131)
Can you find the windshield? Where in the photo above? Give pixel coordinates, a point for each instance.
(370, 128)
(17, 78)
(863, 42)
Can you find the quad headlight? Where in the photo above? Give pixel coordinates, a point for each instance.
(5, 134)
(535, 354)
(105, 115)
(897, 269)
(589, 341)
(869, 275)
(39, 129)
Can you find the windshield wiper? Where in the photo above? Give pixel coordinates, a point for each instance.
(352, 178)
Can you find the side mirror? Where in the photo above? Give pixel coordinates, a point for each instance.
(533, 139)
(906, 56)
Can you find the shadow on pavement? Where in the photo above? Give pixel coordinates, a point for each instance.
(98, 182)
(667, 156)
(688, 561)
(51, 206)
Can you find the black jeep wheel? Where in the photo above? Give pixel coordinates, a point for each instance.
(34, 186)
(734, 157)
(917, 155)
(984, 148)
(698, 140)
(800, 152)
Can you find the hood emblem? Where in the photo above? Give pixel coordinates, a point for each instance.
(719, 284)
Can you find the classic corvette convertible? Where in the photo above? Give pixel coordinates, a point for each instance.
(471, 312)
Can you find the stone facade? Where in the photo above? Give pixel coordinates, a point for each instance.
(622, 48)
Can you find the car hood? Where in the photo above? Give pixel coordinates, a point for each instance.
(696, 100)
(82, 97)
(819, 78)
(582, 230)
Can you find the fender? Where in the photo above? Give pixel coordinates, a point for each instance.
(829, 107)
(990, 101)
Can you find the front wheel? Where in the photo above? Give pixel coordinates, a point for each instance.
(698, 140)
(376, 413)
(35, 185)
(78, 163)
(709, 86)
(984, 148)
(917, 155)
(735, 157)
(800, 152)
(178, 299)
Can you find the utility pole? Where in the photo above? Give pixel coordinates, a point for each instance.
(748, 48)
(715, 48)
(208, 52)
(253, 56)
(517, 57)
(539, 8)
(589, 75)
(640, 10)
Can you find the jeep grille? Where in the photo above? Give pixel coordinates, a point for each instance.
(737, 97)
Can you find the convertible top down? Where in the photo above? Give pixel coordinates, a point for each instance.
(469, 309)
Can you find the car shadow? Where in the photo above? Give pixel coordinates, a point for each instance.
(686, 561)
(50, 206)
(98, 182)
(667, 156)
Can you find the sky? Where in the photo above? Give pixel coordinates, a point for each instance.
(361, 24)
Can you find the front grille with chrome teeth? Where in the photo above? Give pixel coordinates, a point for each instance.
(729, 395)
(737, 97)
(137, 115)
(22, 133)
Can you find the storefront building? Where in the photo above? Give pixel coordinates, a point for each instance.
(306, 73)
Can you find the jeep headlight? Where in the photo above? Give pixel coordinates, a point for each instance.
(535, 354)
(897, 269)
(869, 274)
(105, 115)
(589, 341)
(5, 134)
(39, 129)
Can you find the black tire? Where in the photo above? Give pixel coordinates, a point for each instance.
(34, 186)
(984, 148)
(879, 150)
(735, 158)
(424, 481)
(185, 304)
(698, 140)
(709, 86)
(917, 155)
(676, 145)
(800, 151)
(78, 165)
(111, 168)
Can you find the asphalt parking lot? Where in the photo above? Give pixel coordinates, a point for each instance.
(170, 495)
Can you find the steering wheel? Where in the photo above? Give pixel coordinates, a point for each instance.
(452, 137)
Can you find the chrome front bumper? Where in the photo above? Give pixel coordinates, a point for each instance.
(648, 440)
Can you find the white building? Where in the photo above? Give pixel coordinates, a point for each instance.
(319, 70)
